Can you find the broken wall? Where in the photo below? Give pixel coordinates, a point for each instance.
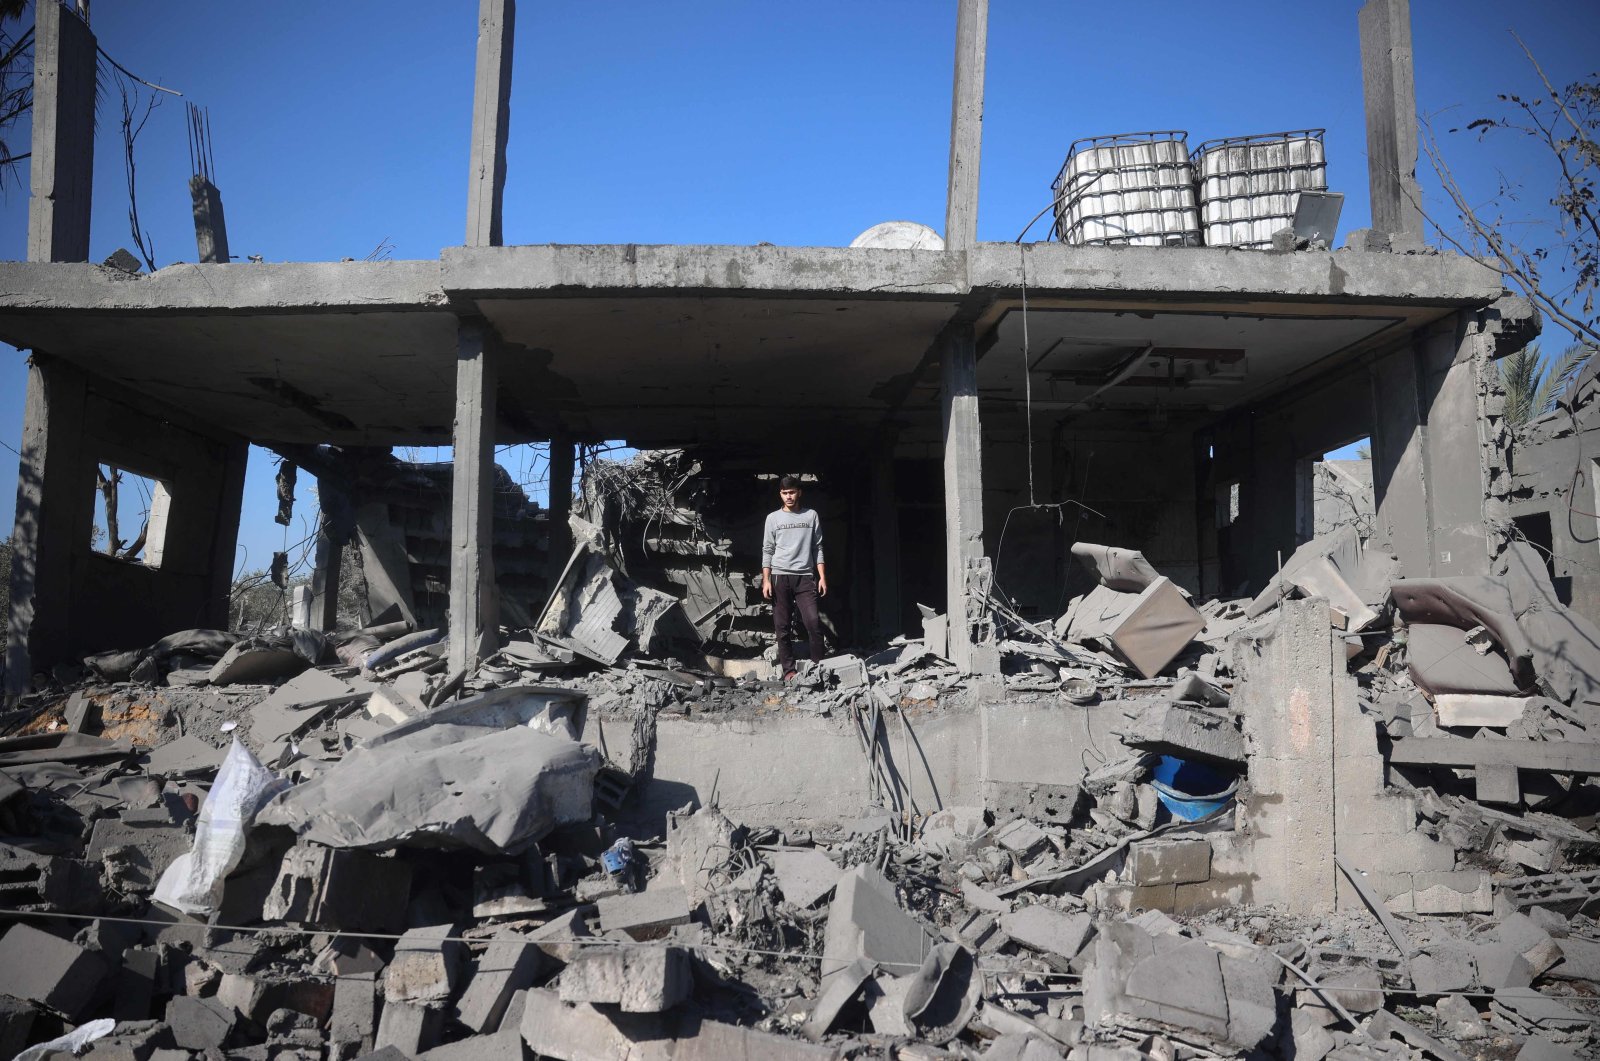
(73, 600)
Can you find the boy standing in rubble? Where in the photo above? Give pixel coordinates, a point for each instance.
(792, 571)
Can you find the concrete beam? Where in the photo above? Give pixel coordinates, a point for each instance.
(963, 487)
(62, 167)
(1388, 85)
(474, 619)
(508, 272)
(1216, 274)
(295, 287)
(54, 513)
(491, 121)
(966, 125)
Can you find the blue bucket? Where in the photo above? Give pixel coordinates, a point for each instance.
(1176, 780)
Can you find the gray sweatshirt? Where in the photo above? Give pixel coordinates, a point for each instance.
(793, 542)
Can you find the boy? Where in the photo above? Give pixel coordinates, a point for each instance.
(791, 551)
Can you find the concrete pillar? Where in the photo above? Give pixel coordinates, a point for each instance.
(1284, 694)
(326, 571)
(885, 530)
(54, 512)
(1391, 96)
(62, 167)
(1428, 473)
(225, 530)
(560, 479)
(474, 619)
(966, 125)
(491, 121)
(963, 486)
(210, 229)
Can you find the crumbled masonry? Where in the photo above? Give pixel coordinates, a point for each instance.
(532, 864)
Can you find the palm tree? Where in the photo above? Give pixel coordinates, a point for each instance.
(1533, 387)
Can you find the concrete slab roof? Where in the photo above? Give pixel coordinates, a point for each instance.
(656, 344)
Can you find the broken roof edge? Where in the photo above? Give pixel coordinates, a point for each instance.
(288, 287)
(1217, 272)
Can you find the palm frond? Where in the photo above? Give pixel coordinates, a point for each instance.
(1559, 374)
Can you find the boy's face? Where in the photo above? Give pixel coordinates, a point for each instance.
(791, 498)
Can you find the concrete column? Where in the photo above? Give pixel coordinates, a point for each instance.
(491, 121)
(325, 575)
(225, 530)
(54, 511)
(966, 125)
(963, 485)
(62, 167)
(473, 613)
(885, 530)
(1285, 696)
(1428, 474)
(560, 478)
(1391, 96)
(210, 229)
(1399, 485)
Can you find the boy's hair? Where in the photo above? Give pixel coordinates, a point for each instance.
(789, 482)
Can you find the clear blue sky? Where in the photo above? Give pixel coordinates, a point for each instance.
(340, 126)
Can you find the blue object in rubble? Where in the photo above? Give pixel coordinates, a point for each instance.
(1177, 781)
(618, 856)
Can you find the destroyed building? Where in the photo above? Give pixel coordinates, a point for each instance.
(1156, 752)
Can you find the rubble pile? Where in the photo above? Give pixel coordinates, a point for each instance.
(307, 846)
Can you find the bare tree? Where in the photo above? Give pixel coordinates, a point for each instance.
(16, 85)
(1555, 264)
(133, 124)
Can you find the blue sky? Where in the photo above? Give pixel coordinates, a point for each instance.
(340, 128)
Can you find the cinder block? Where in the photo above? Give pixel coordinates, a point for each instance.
(424, 966)
(577, 1033)
(408, 1028)
(645, 915)
(1169, 862)
(1051, 931)
(507, 966)
(199, 1023)
(639, 980)
(355, 1007)
(351, 890)
(47, 969)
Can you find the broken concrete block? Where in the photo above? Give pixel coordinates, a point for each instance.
(849, 671)
(638, 979)
(501, 1046)
(698, 844)
(952, 831)
(804, 874)
(1312, 1042)
(51, 971)
(1358, 990)
(254, 662)
(1158, 627)
(350, 890)
(184, 756)
(424, 966)
(1124, 570)
(1051, 931)
(1169, 862)
(644, 915)
(408, 1027)
(1443, 968)
(1022, 838)
(140, 844)
(507, 965)
(199, 1023)
(865, 921)
(709, 1040)
(550, 936)
(1188, 733)
(1459, 1019)
(579, 1032)
(355, 1008)
(1519, 932)
(1542, 1048)
(1478, 709)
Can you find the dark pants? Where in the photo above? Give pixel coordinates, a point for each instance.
(788, 593)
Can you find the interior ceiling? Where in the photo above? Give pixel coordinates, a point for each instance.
(1106, 359)
(669, 371)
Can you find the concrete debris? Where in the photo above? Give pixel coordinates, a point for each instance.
(1268, 827)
